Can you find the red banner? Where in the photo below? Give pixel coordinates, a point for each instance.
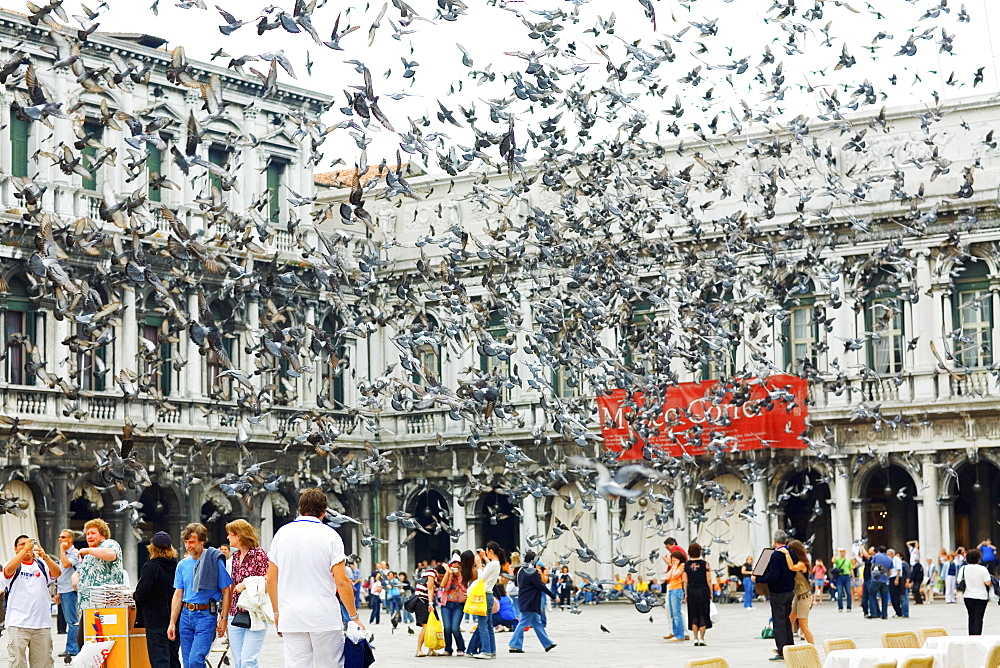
(740, 415)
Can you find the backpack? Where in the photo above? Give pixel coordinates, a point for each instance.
(877, 571)
(6, 591)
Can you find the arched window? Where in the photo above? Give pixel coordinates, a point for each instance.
(721, 341)
(635, 332)
(885, 326)
(155, 362)
(21, 319)
(972, 317)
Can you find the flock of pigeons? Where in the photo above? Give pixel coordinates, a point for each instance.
(618, 202)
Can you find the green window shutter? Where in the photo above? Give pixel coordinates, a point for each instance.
(154, 165)
(19, 131)
(217, 156)
(90, 153)
(274, 170)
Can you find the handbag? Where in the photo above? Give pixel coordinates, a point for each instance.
(411, 603)
(960, 585)
(241, 620)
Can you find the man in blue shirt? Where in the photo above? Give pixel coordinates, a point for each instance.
(989, 555)
(879, 588)
(202, 591)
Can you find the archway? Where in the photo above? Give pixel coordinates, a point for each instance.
(890, 511)
(804, 500)
(431, 543)
(499, 520)
(86, 505)
(975, 493)
(156, 511)
(12, 526)
(218, 511)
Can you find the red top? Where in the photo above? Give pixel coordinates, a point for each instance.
(254, 563)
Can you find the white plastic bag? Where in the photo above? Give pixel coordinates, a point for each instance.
(355, 633)
(713, 612)
(93, 654)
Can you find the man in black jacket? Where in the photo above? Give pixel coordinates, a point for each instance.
(153, 594)
(530, 589)
(781, 581)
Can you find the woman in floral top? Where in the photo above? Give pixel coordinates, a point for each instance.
(248, 560)
(101, 565)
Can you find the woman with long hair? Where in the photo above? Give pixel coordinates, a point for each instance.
(249, 566)
(698, 593)
(153, 595)
(748, 587)
(483, 643)
(803, 601)
(459, 575)
(977, 589)
(675, 596)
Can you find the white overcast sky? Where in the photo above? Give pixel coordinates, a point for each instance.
(745, 26)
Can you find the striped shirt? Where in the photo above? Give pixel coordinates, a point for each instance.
(425, 577)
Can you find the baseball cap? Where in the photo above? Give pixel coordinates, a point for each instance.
(161, 539)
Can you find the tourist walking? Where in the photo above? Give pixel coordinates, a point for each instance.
(101, 564)
(461, 573)
(747, 571)
(797, 560)
(916, 582)
(28, 605)
(781, 581)
(879, 589)
(989, 560)
(69, 559)
(531, 592)
(866, 580)
(843, 571)
(698, 594)
(977, 581)
(303, 555)
(675, 596)
(153, 595)
(199, 612)
(932, 578)
(248, 566)
(819, 580)
(566, 587)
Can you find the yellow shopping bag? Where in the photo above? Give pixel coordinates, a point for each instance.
(475, 604)
(434, 633)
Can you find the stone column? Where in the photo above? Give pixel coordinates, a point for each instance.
(529, 521)
(459, 521)
(602, 540)
(193, 367)
(857, 508)
(130, 332)
(932, 539)
(367, 562)
(47, 531)
(60, 499)
(844, 532)
(760, 531)
(681, 533)
(947, 523)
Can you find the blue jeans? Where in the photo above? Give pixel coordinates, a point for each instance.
(675, 598)
(245, 644)
(376, 603)
(197, 632)
(534, 620)
(747, 592)
(393, 605)
(483, 639)
(904, 601)
(876, 591)
(70, 614)
(843, 584)
(451, 619)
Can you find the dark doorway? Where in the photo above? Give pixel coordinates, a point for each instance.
(890, 512)
(975, 515)
(215, 521)
(155, 509)
(432, 543)
(81, 511)
(807, 512)
(499, 520)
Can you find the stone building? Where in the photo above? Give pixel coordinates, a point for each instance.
(888, 481)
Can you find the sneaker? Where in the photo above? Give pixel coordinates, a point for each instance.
(550, 647)
(777, 657)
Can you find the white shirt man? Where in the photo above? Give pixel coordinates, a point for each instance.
(26, 578)
(306, 574)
